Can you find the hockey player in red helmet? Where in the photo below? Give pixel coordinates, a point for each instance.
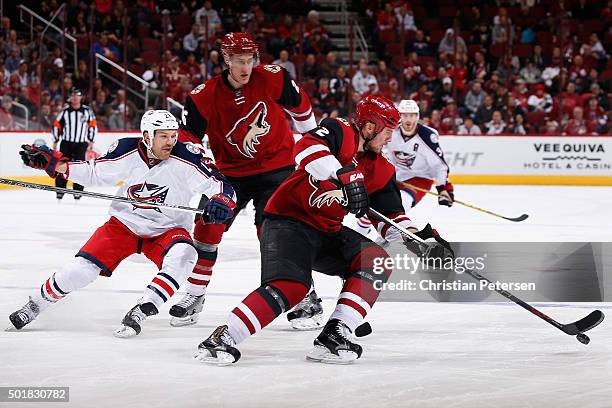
(339, 170)
(243, 112)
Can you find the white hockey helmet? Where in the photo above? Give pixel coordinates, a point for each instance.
(153, 120)
(408, 106)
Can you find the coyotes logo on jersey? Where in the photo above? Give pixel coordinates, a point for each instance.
(325, 193)
(147, 192)
(246, 131)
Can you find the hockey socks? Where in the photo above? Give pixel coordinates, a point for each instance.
(262, 306)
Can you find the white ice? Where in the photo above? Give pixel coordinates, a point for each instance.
(420, 354)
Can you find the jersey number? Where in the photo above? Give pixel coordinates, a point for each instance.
(322, 132)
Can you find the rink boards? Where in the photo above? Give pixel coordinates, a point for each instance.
(527, 160)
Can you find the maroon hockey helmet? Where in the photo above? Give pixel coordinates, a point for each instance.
(238, 43)
(378, 110)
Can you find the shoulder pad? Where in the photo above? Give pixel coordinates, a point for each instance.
(121, 147)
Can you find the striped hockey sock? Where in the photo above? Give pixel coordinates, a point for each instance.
(262, 306)
(161, 288)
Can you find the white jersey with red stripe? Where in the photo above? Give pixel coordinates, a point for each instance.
(419, 155)
(174, 181)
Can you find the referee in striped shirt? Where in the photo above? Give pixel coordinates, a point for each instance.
(74, 129)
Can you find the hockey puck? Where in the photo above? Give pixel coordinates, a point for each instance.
(583, 338)
(363, 330)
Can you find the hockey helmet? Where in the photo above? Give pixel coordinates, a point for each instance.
(238, 43)
(153, 120)
(378, 110)
(408, 106)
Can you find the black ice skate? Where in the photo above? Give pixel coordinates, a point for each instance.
(308, 314)
(25, 315)
(130, 325)
(334, 345)
(218, 348)
(186, 311)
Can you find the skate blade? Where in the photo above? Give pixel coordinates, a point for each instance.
(124, 332)
(221, 358)
(184, 321)
(307, 323)
(322, 355)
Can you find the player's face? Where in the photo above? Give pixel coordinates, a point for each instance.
(241, 66)
(380, 140)
(163, 142)
(409, 122)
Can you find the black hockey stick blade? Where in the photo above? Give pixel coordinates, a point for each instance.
(363, 330)
(517, 219)
(584, 324)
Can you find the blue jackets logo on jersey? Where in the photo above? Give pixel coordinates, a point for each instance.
(246, 132)
(147, 192)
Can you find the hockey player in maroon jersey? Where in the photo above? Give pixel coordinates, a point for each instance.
(340, 170)
(243, 112)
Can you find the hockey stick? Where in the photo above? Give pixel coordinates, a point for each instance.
(576, 328)
(517, 219)
(18, 183)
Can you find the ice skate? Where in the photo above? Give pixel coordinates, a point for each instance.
(186, 311)
(218, 348)
(334, 345)
(130, 325)
(308, 314)
(25, 315)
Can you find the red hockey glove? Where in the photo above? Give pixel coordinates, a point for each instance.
(447, 194)
(41, 157)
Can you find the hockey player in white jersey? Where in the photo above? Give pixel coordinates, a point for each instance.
(152, 168)
(418, 160)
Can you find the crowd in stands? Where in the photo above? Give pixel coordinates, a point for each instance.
(475, 67)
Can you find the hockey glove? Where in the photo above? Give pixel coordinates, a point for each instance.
(219, 209)
(434, 247)
(447, 194)
(353, 186)
(41, 157)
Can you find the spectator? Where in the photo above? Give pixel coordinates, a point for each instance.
(383, 73)
(412, 82)
(443, 95)
(386, 18)
(528, 36)
(213, 61)
(596, 117)
(521, 93)
(530, 73)
(479, 69)
(104, 47)
(21, 75)
(191, 40)
(405, 18)
(459, 73)
(311, 68)
(496, 126)
(481, 36)
(363, 78)
(485, 112)
(284, 62)
(578, 72)
(101, 109)
(6, 117)
(552, 127)
(204, 14)
(469, 127)
(597, 48)
(503, 32)
(447, 44)
(339, 84)
(577, 126)
(121, 108)
(372, 88)
(451, 119)
(324, 99)
(12, 62)
(330, 65)
(518, 125)
(538, 58)
(512, 107)
(474, 99)
(541, 101)
(394, 93)
(420, 45)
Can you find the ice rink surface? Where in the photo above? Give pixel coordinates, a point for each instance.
(420, 354)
